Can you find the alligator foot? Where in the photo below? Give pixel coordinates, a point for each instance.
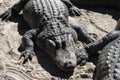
(83, 35)
(28, 45)
(75, 11)
(72, 9)
(8, 14)
(27, 54)
(82, 57)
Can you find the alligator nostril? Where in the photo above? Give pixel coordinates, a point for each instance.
(69, 62)
(69, 65)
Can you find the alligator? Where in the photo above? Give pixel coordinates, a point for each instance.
(50, 30)
(108, 65)
(107, 49)
(97, 2)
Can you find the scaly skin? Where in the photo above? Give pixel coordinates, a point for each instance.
(51, 30)
(92, 48)
(107, 67)
(108, 64)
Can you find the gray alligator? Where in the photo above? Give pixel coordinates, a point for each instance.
(98, 2)
(108, 51)
(108, 64)
(50, 30)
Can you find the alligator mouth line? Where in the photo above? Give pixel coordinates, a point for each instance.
(63, 68)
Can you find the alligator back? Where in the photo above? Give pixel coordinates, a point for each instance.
(108, 65)
(42, 13)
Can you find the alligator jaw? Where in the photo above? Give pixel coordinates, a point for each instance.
(66, 64)
(66, 69)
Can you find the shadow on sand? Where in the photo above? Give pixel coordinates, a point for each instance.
(111, 10)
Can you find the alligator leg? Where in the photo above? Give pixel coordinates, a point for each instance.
(92, 48)
(82, 33)
(73, 9)
(12, 12)
(28, 44)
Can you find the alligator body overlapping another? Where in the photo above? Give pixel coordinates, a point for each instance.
(50, 29)
(108, 64)
(108, 51)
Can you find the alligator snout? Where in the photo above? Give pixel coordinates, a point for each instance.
(66, 62)
(69, 65)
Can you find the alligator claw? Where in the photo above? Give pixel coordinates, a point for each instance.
(93, 36)
(6, 15)
(27, 54)
(82, 56)
(75, 11)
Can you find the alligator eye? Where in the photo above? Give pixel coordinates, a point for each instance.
(57, 45)
(63, 44)
(50, 43)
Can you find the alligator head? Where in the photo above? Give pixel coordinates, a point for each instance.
(62, 51)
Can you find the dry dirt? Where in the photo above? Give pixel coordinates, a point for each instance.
(99, 21)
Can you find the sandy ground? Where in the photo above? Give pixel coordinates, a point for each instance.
(99, 21)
